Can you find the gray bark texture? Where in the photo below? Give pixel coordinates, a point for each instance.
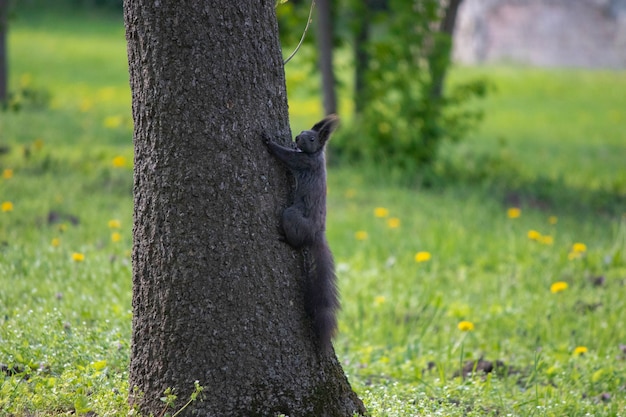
(217, 297)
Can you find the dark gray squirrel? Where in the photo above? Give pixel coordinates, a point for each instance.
(304, 223)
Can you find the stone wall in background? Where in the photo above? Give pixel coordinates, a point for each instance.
(547, 33)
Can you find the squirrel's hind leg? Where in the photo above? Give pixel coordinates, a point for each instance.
(299, 231)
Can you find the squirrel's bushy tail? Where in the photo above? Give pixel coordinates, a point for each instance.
(321, 295)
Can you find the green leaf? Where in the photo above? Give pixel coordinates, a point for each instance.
(99, 365)
(81, 404)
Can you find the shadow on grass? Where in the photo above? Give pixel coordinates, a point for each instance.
(507, 181)
(500, 177)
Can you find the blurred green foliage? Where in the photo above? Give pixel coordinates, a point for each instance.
(404, 119)
(25, 96)
(402, 111)
(115, 5)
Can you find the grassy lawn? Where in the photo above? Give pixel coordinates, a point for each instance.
(453, 304)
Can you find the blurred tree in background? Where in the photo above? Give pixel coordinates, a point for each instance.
(325, 34)
(113, 5)
(401, 54)
(4, 18)
(403, 111)
(109, 4)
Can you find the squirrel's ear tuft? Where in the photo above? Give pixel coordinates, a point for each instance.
(326, 126)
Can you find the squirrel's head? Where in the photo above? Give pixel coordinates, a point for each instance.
(311, 141)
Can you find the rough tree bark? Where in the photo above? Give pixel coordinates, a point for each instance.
(217, 297)
(325, 51)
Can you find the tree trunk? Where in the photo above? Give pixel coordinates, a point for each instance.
(444, 42)
(361, 55)
(4, 21)
(325, 51)
(217, 298)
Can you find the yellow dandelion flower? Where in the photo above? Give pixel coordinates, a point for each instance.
(7, 174)
(78, 257)
(62, 227)
(6, 206)
(26, 80)
(350, 193)
(513, 212)
(55, 242)
(119, 162)
(381, 212)
(580, 350)
(106, 94)
(393, 222)
(534, 235)
(546, 240)
(361, 235)
(378, 300)
(465, 326)
(577, 251)
(558, 287)
(86, 105)
(553, 220)
(38, 144)
(116, 237)
(422, 256)
(115, 224)
(113, 122)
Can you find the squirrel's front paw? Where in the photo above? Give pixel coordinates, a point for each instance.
(266, 138)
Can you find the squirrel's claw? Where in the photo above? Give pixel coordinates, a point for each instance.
(266, 137)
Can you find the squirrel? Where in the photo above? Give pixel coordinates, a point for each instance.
(304, 223)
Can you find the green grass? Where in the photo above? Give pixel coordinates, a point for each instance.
(552, 145)
(563, 123)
